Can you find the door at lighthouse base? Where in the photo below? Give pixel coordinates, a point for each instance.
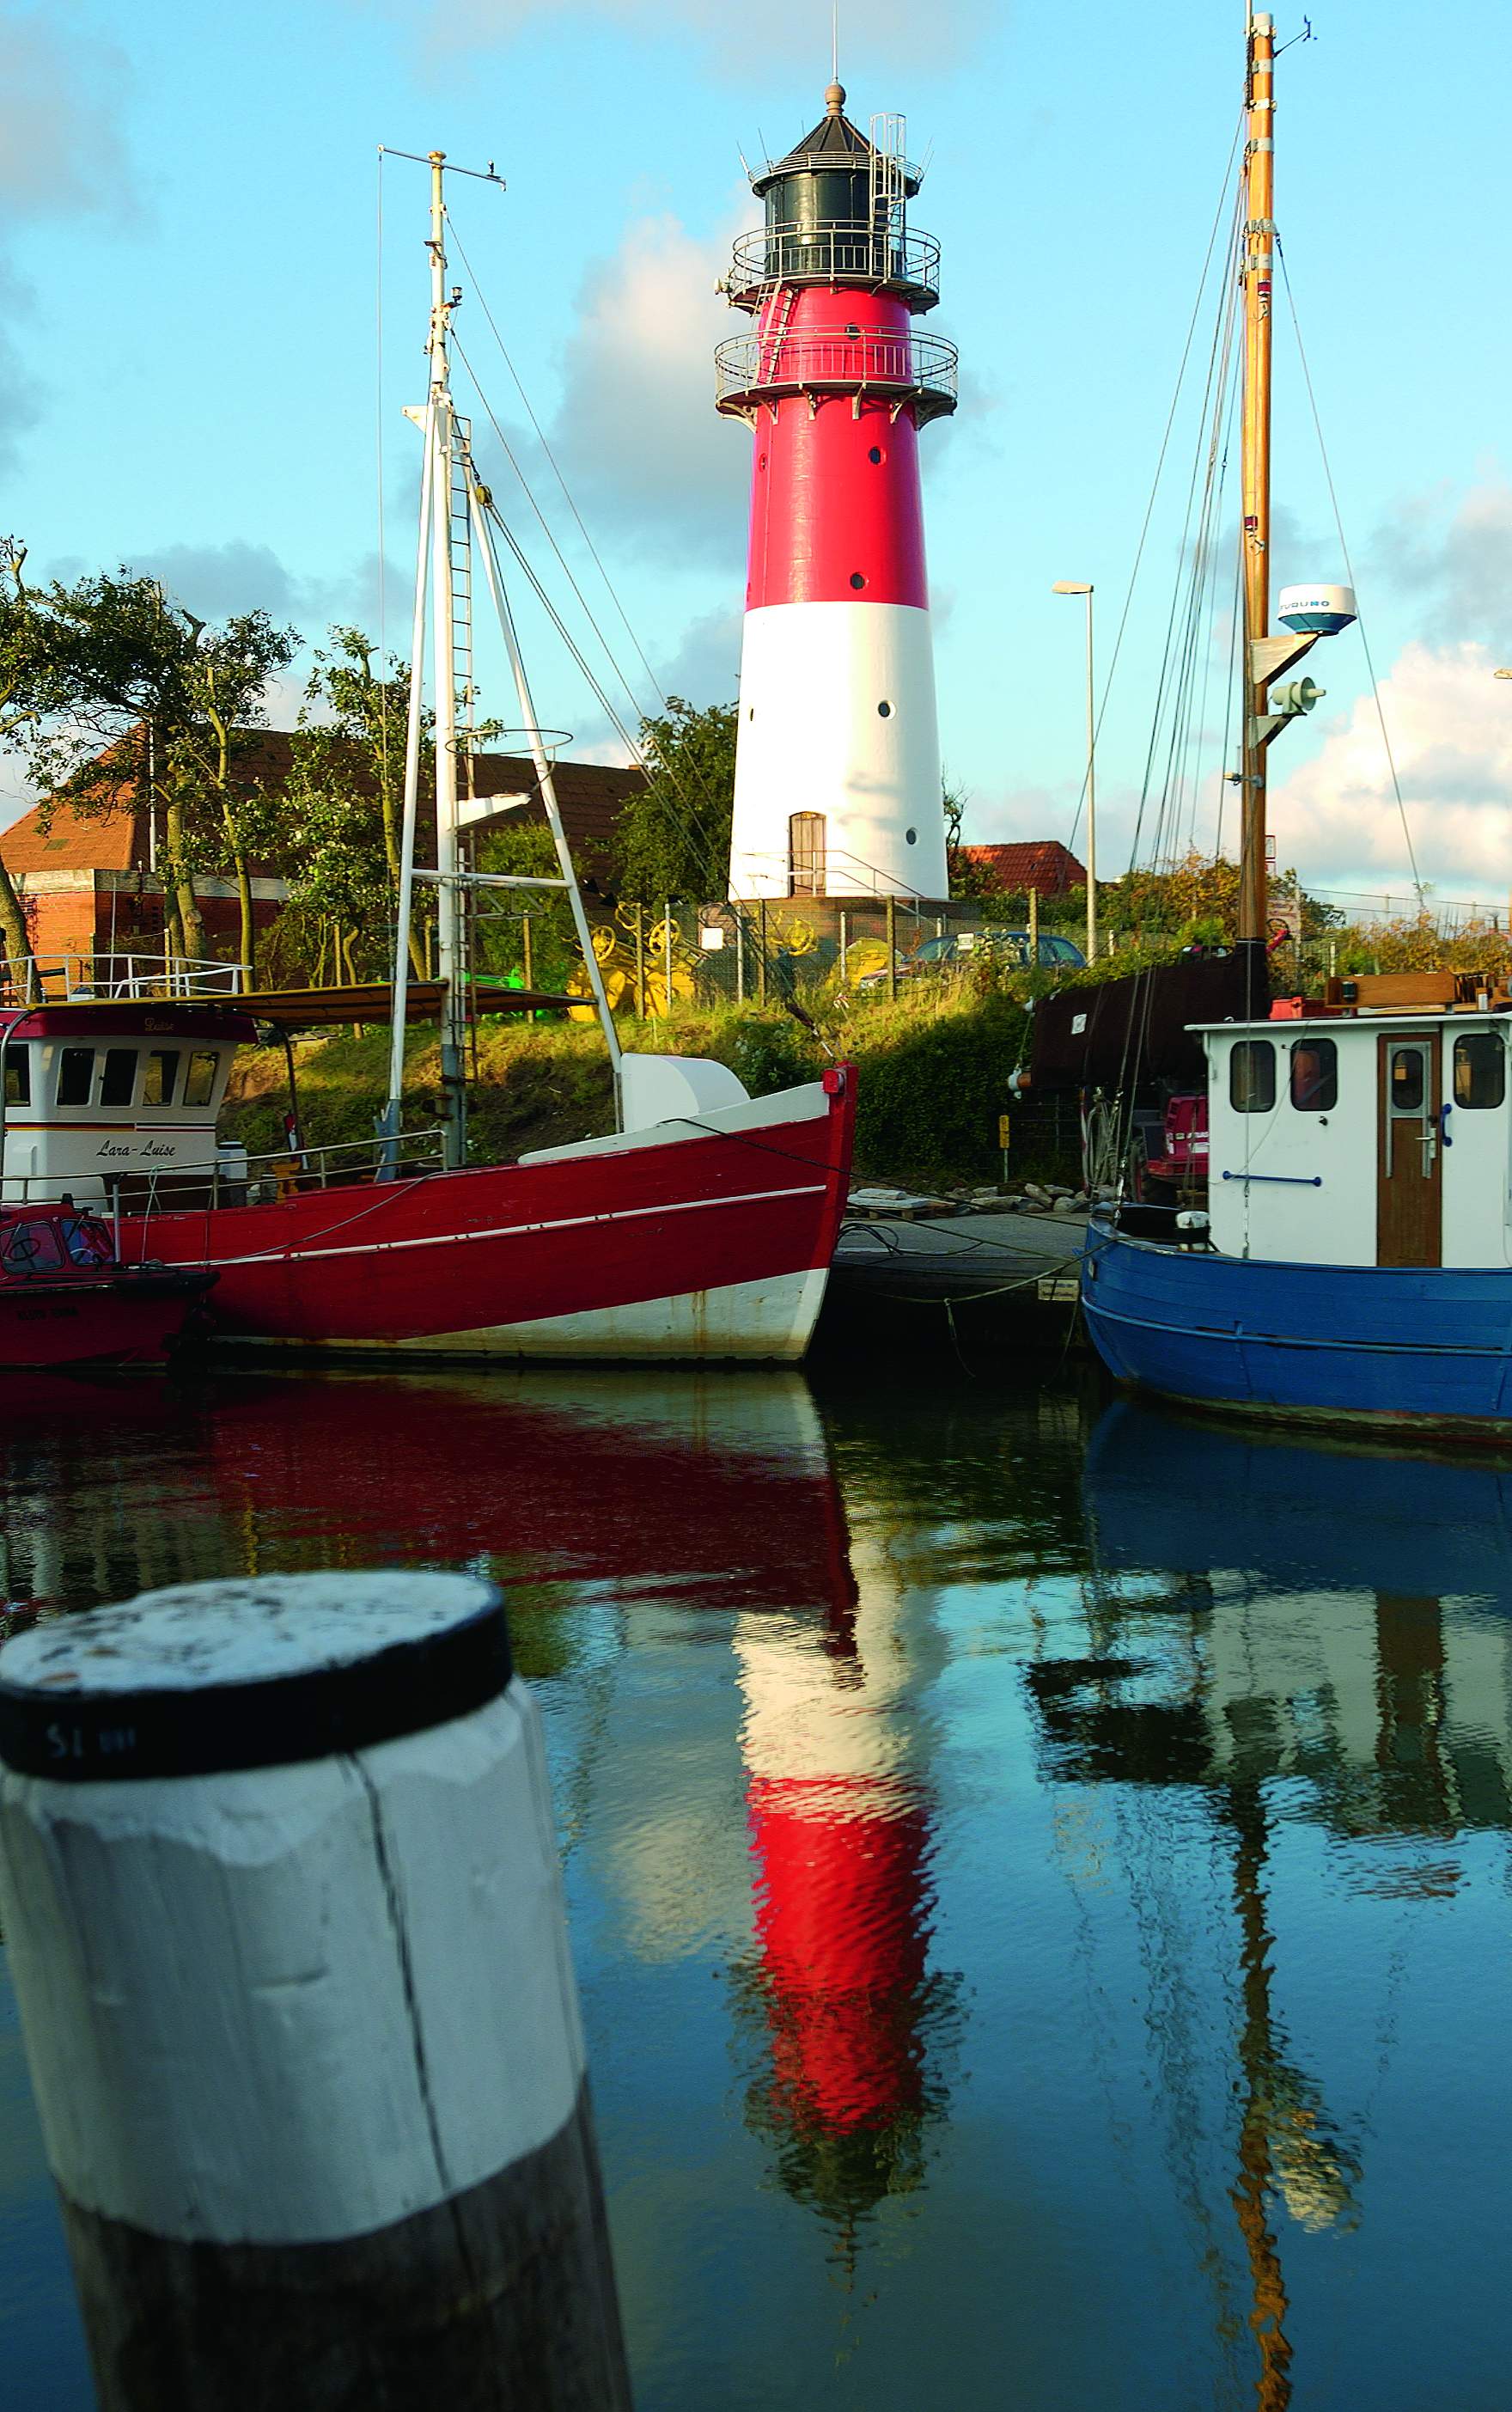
(805, 854)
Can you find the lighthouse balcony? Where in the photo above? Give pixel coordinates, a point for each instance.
(917, 372)
(883, 258)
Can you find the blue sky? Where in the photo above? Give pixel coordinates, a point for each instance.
(189, 378)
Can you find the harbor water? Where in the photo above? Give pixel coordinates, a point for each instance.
(1037, 1866)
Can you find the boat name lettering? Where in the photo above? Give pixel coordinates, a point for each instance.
(148, 1148)
(69, 1741)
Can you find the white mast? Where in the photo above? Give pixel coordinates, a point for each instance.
(449, 909)
(447, 450)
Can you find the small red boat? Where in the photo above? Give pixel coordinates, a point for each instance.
(64, 1299)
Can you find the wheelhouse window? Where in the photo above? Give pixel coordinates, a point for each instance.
(118, 1080)
(1251, 1076)
(1315, 1075)
(76, 1076)
(1408, 1079)
(199, 1081)
(1479, 1068)
(162, 1074)
(29, 1248)
(18, 1075)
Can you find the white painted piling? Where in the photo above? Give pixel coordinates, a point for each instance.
(279, 1877)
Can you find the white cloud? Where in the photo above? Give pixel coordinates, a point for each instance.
(1452, 557)
(636, 433)
(705, 666)
(62, 150)
(61, 153)
(1450, 724)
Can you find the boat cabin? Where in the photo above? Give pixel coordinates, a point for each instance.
(105, 1100)
(1376, 1134)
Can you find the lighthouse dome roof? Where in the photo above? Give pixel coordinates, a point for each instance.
(834, 143)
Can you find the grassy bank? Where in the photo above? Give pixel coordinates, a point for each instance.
(932, 1079)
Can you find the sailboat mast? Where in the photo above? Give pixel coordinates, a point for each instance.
(1258, 249)
(449, 905)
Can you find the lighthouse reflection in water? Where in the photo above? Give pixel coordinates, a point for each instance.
(1037, 1874)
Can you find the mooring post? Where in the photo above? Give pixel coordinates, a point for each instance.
(279, 1875)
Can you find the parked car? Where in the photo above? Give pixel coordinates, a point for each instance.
(962, 946)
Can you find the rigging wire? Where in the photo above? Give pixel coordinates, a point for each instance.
(383, 584)
(1214, 402)
(1160, 463)
(566, 494)
(1349, 572)
(692, 819)
(694, 827)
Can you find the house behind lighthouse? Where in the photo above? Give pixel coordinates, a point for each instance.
(837, 785)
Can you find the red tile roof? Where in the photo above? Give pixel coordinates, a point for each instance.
(1042, 863)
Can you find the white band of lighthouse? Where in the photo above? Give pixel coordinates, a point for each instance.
(838, 717)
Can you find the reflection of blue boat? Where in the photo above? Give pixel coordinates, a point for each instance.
(1164, 1492)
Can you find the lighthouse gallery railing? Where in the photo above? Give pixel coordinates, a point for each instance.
(839, 254)
(871, 359)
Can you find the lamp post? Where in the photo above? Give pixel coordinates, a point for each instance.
(1074, 586)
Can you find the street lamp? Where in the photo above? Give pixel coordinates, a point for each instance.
(1074, 586)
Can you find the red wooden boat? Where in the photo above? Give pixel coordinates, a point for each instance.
(64, 1299)
(704, 1229)
(695, 1238)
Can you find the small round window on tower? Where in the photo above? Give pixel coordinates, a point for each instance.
(885, 711)
(875, 456)
(856, 579)
(911, 836)
(853, 334)
(750, 712)
(761, 460)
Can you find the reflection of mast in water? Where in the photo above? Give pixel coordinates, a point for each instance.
(840, 1827)
(1286, 2144)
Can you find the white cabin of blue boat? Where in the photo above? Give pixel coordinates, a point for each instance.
(1377, 1133)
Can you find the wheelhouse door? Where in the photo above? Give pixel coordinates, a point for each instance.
(805, 854)
(1409, 1211)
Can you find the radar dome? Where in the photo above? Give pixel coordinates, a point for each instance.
(1315, 610)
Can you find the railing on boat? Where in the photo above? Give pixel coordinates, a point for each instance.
(77, 979)
(233, 1178)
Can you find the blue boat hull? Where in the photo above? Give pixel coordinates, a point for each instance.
(1364, 1344)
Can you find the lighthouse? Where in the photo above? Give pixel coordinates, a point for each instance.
(837, 781)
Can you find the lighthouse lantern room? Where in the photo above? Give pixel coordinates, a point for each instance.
(837, 783)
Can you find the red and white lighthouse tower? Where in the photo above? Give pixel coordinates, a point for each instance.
(837, 784)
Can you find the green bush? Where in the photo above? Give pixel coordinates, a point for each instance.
(933, 1072)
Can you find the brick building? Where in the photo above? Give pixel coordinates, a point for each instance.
(89, 885)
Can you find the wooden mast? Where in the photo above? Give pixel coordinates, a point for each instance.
(1259, 234)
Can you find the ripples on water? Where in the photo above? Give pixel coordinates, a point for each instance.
(1037, 1872)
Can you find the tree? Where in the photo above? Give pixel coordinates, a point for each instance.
(342, 803)
(225, 683)
(967, 878)
(139, 684)
(672, 838)
(29, 692)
